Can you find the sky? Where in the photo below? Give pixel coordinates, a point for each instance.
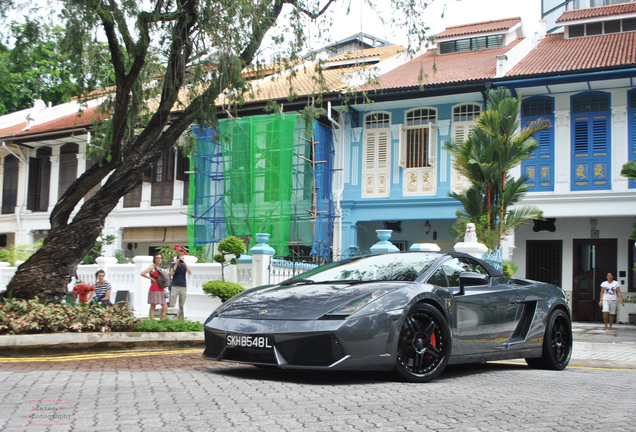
(455, 12)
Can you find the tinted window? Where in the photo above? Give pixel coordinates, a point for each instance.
(455, 266)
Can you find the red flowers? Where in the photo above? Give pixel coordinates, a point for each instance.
(81, 291)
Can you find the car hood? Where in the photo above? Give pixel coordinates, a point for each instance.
(300, 302)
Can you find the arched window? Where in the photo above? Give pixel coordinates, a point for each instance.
(10, 184)
(464, 120)
(39, 180)
(376, 163)
(539, 167)
(590, 147)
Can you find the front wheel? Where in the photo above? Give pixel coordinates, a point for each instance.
(424, 345)
(557, 343)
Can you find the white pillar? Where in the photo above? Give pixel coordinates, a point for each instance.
(261, 255)
(139, 297)
(54, 186)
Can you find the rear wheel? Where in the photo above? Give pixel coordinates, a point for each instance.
(423, 344)
(557, 343)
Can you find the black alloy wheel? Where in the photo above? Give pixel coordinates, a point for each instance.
(423, 344)
(557, 343)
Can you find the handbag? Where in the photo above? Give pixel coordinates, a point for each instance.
(163, 280)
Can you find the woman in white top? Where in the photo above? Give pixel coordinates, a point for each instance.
(610, 292)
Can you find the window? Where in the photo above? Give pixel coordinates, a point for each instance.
(39, 180)
(631, 130)
(602, 27)
(418, 134)
(376, 163)
(539, 166)
(464, 120)
(456, 266)
(163, 180)
(590, 141)
(68, 167)
(471, 44)
(418, 148)
(10, 184)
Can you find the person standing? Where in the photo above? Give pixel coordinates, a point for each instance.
(178, 270)
(156, 295)
(610, 293)
(102, 289)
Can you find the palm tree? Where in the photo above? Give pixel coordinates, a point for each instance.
(492, 149)
(629, 171)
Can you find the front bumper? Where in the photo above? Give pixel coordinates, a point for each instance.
(364, 343)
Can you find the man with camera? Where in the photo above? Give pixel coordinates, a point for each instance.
(178, 270)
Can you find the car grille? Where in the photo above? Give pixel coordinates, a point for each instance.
(321, 350)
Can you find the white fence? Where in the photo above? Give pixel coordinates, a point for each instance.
(198, 305)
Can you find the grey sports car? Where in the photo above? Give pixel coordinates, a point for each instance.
(411, 312)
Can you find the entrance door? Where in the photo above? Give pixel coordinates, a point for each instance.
(593, 259)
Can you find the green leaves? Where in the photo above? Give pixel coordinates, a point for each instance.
(222, 290)
(492, 149)
(35, 316)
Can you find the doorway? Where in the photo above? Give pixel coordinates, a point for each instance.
(593, 259)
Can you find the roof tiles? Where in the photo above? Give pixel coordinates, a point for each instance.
(596, 12)
(432, 69)
(481, 27)
(556, 54)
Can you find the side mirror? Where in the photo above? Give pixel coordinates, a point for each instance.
(471, 279)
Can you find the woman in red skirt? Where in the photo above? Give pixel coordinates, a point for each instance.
(156, 295)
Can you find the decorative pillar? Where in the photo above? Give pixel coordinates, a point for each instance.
(384, 245)
(54, 185)
(470, 245)
(261, 255)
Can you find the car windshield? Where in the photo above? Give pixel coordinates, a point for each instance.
(388, 267)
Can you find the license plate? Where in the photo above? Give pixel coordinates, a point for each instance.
(247, 341)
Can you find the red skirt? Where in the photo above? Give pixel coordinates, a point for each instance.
(156, 297)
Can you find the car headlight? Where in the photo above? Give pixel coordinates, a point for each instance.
(357, 303)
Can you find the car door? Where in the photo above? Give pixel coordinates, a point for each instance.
(484, 316)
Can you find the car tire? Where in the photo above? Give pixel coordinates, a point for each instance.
(557, 343)
(423, 344)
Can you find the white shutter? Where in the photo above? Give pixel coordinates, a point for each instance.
(402, 147)
(459, 182)
(377, 164)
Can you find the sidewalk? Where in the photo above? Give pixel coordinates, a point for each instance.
(593, 347)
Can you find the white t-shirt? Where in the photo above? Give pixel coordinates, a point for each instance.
(609, 290)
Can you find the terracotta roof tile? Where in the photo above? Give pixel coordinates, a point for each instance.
(556, 54)
(481, 27)
(445, 69)
(383, 52)
(304, 80)
(601, 11)
(78, 120)
(12, 129)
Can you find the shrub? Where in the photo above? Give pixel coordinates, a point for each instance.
(222, 290)
(165, 325)
(19, 316)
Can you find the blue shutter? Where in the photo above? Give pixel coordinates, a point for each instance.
(632, 141)
(590, 152)
(539, 167)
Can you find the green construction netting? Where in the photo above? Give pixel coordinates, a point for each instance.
(253, 176)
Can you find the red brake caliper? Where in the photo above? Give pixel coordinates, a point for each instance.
(433, 344)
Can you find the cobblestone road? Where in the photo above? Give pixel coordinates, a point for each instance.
(180, 391)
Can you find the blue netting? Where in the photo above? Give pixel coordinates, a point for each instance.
(324, 151)
(209, 220)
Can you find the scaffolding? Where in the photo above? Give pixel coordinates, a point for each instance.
(259, 174)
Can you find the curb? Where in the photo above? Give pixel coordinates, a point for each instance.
(84, 341)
